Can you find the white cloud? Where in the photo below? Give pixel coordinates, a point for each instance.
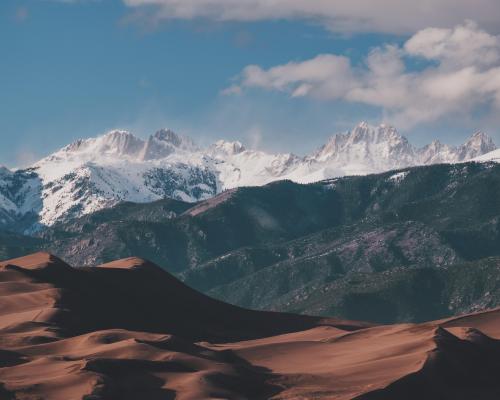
(462, 72)
(232, 90)
(390, 16)
(311, 77)
(464, 45)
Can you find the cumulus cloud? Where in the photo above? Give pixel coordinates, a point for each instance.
(464, 45)
(390, 16)
(462, 71)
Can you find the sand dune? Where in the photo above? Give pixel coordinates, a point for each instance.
(129, 330)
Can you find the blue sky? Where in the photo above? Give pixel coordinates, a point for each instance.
(78, 68)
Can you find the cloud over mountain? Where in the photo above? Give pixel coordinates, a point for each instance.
(461, 72)
(387, 16)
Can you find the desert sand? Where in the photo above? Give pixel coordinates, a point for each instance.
(129, 330)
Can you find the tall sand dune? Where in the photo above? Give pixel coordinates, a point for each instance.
(129, 330)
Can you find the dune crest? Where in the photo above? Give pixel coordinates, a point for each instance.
(129, 263)
(36, 261)
(121, 332)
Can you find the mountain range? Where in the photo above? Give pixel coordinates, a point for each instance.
(407, 245)
(93, 174)
(261, 286)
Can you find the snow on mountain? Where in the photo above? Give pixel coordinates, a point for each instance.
(221, 148)
(116, 142)
(478, 144)
(375, 147)
(91, 174)
(6, 205)
(19, 198)
(492, 156)
(164, 143)
(236, 166)
(365, 149)
(437, 152)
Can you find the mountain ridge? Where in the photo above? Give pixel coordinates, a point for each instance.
(90, 174)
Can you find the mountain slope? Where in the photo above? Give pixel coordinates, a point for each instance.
(92, 174)
(275, 246)
(397, 294)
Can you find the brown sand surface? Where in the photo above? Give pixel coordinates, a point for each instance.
(129, 330)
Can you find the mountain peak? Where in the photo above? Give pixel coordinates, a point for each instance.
(478, 144)
(227, 148)
(121, 142)
(382, 132)
(363, 125)
(179, 141)
(165, 142)
(374, 146)
(479, 137)
(115, 133)
(168, 135)
(115, 142)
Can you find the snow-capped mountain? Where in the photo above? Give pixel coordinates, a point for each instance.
(91, 174)
(20, 198)
(492, 156)
(366, 149)
(478, 144)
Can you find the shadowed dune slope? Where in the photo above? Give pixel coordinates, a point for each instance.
(129, 330)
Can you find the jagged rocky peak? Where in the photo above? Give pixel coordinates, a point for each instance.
(165, 142)
(169, 136)
(482, 139)
(435, 145)
(222, 147)
(115, 142)
(76, 146)
(436, 152)
(172, 138)
(373, 145)
(365, 134)
(388, 132)
(478, 144)
(370, 133)
(376, 134)
(122, 143)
